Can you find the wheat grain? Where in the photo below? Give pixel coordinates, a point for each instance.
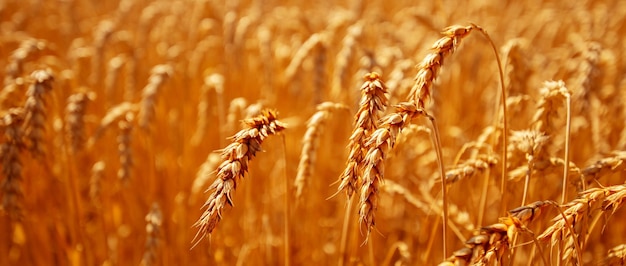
(315, 127)
(344, 58)
(114, 114)
(154, 224)
(494, 240)
(470, 168)
(615, 256)
(373, 102)
(305, 49)
(111, 79)
(124, 149)
(34, 122)
(578, 210)
(102, 34)
(552, 92)
(10, 150)
(605, 166)
(95, 182)
(429, 68)
(74, 117)
(379, 143)
(246, 143)
(159, 74)
(205, 172)
(518, 68)
(28, 48)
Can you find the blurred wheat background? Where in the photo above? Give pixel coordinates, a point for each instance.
(112, 113)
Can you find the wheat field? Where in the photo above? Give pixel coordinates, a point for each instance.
(279, 132)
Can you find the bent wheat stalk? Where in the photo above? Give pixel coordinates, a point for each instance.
(235, 157)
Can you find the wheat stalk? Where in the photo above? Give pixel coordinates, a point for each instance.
(211, 82)
(245, 144)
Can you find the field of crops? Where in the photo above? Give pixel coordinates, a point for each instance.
(281, 132)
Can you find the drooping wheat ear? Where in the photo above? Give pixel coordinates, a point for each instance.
(159, 74)
(470, 168)
(494, 240)
(205, 172)
(615, 256)
(123, 143)
(546, 166)
(607, 199)
(11, 94)
(429, 68)
(131, 68)
(319, 79)
(605, 166)
(310, 143)
(379, 143)
(10, 151)
(214, 82)
(552, 92)
(518, 68)
(114, 114)
(459, 217)
(398, 81)
(111, 79)
(344, 57)
(236, 108)
(15, 66)
(588, 73)
(235, 157)
(102, 34)
(530, 143)
(305, 49)
(373, 103)
(97, 172)
(75, 116)
(154, 222)
(34, 122)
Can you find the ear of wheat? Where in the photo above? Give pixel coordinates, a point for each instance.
(235, 157)
(373, 102)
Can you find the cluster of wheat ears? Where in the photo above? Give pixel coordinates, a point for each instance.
(279, 132)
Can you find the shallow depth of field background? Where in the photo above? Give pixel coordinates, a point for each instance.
(228, 61)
